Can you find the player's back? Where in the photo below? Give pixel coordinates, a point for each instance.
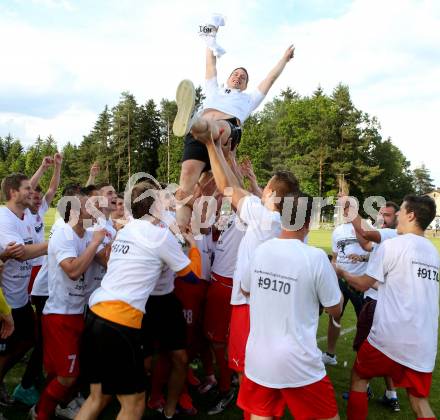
(288, 279)
(406, 318)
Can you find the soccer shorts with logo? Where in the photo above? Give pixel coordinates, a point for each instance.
(61, 343)
(238, 336)
(218, 309)
(371, 363)
(314, 401)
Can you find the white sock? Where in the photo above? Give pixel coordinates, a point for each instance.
(390, 394)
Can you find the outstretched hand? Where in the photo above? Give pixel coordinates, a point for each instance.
(290, 52)
(94, 170)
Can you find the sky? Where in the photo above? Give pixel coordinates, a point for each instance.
(64, 60)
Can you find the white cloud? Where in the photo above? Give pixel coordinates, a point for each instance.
(387, 52)
(69, 125)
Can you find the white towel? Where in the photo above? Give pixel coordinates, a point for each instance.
(208, 32)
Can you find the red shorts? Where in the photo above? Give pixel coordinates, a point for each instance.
(61, 344)
(192, 297)
(314, 401)
(238, 336)
(34, 272)
(372, 363)
(218, 309)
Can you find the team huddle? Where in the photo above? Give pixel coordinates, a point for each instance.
(129, 289)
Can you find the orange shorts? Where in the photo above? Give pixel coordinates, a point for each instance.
(314, 401)
(218, 309)
(372, 363)
(61, 344)
(238, 336)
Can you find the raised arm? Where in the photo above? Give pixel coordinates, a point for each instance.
(45, 165)
(55, 181)
(248, 171)
(369, 234)
(211, 64)
(94, 171)
(273, 75)
(223, 175)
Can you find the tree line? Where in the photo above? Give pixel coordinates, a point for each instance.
(320, 138)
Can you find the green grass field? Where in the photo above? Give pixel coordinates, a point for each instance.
(339, 374)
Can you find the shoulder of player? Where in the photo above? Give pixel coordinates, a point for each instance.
(7, 217)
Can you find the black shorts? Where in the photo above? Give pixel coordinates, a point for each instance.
(24, 328)
(195, 150)
(352, 295)
(163, 326)
(111, 355)
(364, 323)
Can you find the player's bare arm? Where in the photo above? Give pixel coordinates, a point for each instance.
(33, 251)
(360, 283)
(368, 235)
(273, 75)
(56, 177)
(75, 267)
(223, 175)
(45, 165)
(211, 64)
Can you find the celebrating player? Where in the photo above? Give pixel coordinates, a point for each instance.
(225, 110)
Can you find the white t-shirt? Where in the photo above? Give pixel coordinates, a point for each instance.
(262, 225)
(139, 254)
(405, 324)
(66, 296)
(226, 247)
(345, 243)
(16, 274)
(385, 234)
(37, 221)
(40, 286)
(287, 281)
(165, 283)
(96, 271)
(231, 101)
(205, 246)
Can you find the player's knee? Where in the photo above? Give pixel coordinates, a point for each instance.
(179, 358)
(67, 381)
(139, 407)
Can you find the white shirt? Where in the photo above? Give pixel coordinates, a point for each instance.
(66, 296)
(37, 221)
(165, 283)
(16, 274)
(262, 225)
(287, 281)
(96, 271)
(385, 234)
(40, 286)
(231, 101)
(205, 246)
(139, 254)
(345, 243)
(226, 247)
(405, 324)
